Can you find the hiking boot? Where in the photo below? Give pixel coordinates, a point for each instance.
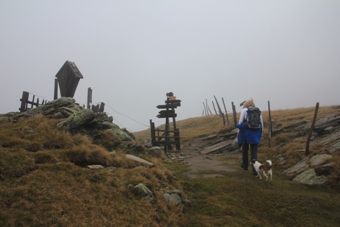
(245, 168)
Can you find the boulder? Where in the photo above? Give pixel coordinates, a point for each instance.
(175, 198)
(121, 134)
(4, 119)
(57, 108)
(77, 121)
(155, 151)
(313, 172)
(297, 169)
(321, 159)
(309, 177)
(98, 126)
(142, 190)
(140, 160)
(335, 148)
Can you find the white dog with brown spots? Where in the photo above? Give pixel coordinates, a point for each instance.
(264, 169)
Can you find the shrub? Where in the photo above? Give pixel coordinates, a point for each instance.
(15, 164)
(79, 139)
(44, 157)
(108, 140)
(34, 146)
(87, 155)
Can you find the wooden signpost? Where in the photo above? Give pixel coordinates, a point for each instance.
(167, 137)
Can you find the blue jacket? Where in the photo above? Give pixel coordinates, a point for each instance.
(250, 136)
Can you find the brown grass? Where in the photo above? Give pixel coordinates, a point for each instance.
(45, 182)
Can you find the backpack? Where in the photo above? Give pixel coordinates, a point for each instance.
(253, 120)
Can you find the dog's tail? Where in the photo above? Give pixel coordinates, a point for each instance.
(269, 162)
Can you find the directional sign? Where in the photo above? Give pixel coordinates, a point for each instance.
(169, 106)
(162, 112)
(166, 115)
(173, 102)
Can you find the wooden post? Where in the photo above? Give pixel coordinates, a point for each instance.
(89, 97)
(234, 113)
(153, 134)
(55, 88)
(205, 109)
(166, 128)
(226, 113)
(177, 140)
(311, 129)
(32, 103)
(101, 108)
(206, 103)
(270, 129)
(220, 110)
(174, 120)
(214, 107)
(24, 100)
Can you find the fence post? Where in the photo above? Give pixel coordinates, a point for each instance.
(55, 88)
(206, 103)
(101, 108)
(226, 113)
(205, 109)
(234, 114)
(311, 128)
(219, 109)
(269, 125)
(24, 100)
(153, 134)
(214, 107)
(89, 97)
(177, 139)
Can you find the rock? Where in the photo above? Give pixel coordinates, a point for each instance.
(297, 169)
(175, 198)
(82, 121)
(320, 159)
(122, 135)
(309, 177)
(140, 167)
(325, 169)
(4, 119)
(335, 148)
(95, 167)
(328, 139)
(142, 190)
(140, 160)
(234, 144)
(77, 121)
(67, 111)
(155, 151)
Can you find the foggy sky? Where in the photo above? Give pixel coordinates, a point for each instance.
(131, 53)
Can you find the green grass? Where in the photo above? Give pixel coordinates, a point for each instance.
(240, 199)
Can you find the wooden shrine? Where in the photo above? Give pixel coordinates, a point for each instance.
(170, 135)
(68, 78)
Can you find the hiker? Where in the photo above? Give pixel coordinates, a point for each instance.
(250, 131)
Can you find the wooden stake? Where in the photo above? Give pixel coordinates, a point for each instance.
(234, 113)
(269, 126)
(311, 128)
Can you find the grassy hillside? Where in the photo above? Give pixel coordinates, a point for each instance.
(239, 199)
(44, 181)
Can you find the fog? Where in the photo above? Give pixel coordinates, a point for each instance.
(131, 53)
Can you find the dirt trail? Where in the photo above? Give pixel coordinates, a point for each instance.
(209, 162)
